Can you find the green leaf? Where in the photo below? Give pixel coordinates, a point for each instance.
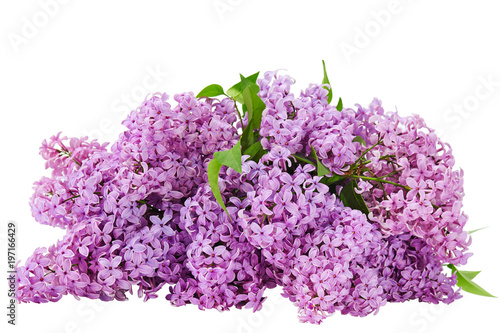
(247, 137)
(303, 159)
(352, 199)
(248, 83)
(359, 139)
(236, 90)
(212, 90)
(254, 105)
(475, 230)
(320, 167)
(331, 180)
(340, 106)
(213, 170)
(255, 151)
(230, 158)
(325, 80)
(470, 274)
(465, 282)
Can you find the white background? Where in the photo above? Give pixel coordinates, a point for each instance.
(74, 66)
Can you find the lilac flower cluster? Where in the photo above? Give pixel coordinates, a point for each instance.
(410, 154)
(142, 214)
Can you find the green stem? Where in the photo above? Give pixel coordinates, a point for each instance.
(389, 174)
(380, 184)
(366, 151)
(294, 110)
(77, 196)
(77, 162)
(237, 110)
(381, 181)
(303, 159)
(68, 154)
(73, 197)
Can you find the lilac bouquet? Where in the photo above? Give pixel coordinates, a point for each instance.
(344, 209)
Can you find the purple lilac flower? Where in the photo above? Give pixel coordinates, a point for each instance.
(141, 213)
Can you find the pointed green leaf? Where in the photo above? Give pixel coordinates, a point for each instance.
(236, 90)
(325, 80)
(320, 167)
(213, 170)
(471, 287)
(248, 83)
(331, 180)
(470, 274)
(475, 230)
(256, 136)
(302, 159)
(239, 98)
(352, 199)
(359, 139)
(230, 158)
(254, 105)
(247, 137)
(258, 156)
(340, 106)
(212, 90)
(255, 151)
(465, 282)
